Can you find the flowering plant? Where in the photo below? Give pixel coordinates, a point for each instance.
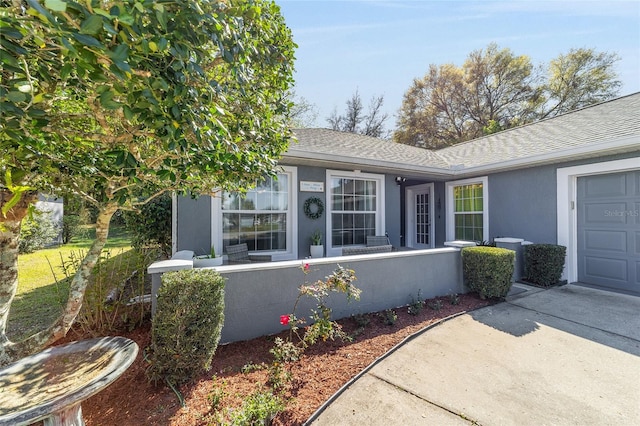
(321, 328)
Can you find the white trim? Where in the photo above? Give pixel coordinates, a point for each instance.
(450, 220)
(174, 223)
(411, 214)
(380, 204)
(292, 219)
(567, 221)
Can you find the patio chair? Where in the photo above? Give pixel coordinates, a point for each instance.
(239, 253)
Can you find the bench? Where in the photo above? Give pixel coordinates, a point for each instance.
(349, 251)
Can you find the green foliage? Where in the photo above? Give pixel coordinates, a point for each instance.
(37, 232)
(186, 326)
(435, 305)
(316, 238)
(454, 299)
(416, 305)
(322, 327)
(496, 89)
(151, 226)
(115, 281)
(488, 270)
(217, 394)
(70, 227)
(389, 317)
(259, 408)
(543, 263)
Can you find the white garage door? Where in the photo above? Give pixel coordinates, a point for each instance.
(609, 231)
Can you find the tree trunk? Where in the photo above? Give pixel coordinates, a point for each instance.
(56, 331)
(9, 237)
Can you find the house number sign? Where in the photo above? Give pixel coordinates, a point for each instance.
(308, 186)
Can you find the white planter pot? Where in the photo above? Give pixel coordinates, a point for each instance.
(317, 251)
(206, 262)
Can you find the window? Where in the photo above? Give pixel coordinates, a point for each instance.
(355, 208)
(467, 208)
(261, 218)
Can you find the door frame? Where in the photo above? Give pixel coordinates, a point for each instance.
(410, 207)
(567, 201)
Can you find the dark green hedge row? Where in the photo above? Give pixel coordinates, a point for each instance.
(543, 263)
(187, 325)
(488, 270)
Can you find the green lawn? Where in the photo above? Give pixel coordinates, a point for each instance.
(42, 285)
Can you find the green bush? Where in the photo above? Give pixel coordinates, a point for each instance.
(70, 227)
(151, 226)
(186, 326)
(543, 263)
(37, 232)
(488, 270)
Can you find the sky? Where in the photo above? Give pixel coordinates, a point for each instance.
(380, 47)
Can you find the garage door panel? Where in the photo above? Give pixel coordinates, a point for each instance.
(601, 213)
(606, 186)
(608, 211)
(603, 267)
(609, 241)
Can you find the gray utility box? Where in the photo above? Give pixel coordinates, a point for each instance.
(515, 244)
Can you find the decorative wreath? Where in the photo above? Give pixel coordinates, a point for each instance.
(313, 212)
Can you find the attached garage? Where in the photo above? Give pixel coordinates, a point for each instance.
(608, 231)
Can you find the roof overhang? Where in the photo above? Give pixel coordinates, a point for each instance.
(615, 146)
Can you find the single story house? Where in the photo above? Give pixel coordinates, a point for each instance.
(572, 180)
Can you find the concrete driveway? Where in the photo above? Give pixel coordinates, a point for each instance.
(564, 356)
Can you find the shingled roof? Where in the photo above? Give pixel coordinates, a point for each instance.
(607, 128)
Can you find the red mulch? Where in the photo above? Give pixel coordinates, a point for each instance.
(321, 371)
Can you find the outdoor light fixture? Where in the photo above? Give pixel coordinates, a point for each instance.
(400, 179)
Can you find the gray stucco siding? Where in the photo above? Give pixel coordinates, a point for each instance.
(523, 203)
(307, 226)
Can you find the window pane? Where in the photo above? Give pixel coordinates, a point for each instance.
(250, 219)
(355, 199)
(336, 203)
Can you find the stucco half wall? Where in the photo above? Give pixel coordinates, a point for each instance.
(256, 295)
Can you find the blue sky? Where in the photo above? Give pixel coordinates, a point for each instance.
(379, 47)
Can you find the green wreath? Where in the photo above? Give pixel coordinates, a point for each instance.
(313, 213)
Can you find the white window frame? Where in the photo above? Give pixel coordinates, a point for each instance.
(292, 220)
(451, 223)
(380, 204)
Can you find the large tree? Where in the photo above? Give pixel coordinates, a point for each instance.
(120, 101)
(496, 89)
(356, 120)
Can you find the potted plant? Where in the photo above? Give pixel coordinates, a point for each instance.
(207, 260)
(316, 249)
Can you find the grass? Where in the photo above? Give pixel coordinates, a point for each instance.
(43, 286)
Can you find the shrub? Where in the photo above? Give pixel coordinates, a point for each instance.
(543, 263)
(151, 226)
(258, 409)
(488, 270)
(187, 324)
(37, 232)
(70, 227)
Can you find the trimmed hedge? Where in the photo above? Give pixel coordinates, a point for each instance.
(543, 263)
(187, 325)
(488, 270)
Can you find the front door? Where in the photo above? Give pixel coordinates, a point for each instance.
(419, 219)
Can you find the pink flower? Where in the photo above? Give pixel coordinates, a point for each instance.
(306, 266)
(284, 319)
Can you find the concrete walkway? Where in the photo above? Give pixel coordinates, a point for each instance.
(564, 356)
